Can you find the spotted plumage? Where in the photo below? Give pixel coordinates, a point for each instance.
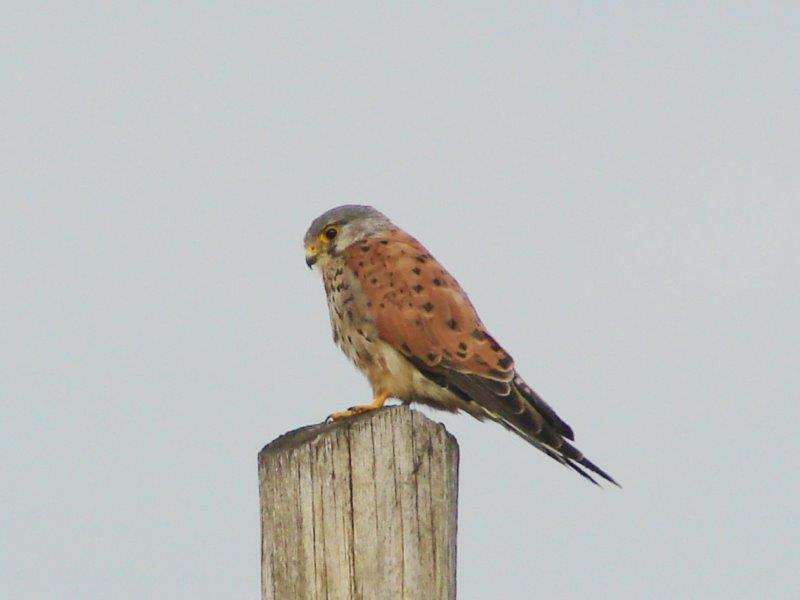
(405, 322)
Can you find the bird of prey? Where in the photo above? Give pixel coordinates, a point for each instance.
(405, 322)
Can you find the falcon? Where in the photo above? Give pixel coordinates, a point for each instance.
(405, 322)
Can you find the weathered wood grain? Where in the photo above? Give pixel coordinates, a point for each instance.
(365, 508)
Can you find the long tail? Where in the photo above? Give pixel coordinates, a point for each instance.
(551, 437)
(518, 408)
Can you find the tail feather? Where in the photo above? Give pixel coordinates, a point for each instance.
(524, 390)
(566, 462)
(553, 435)
(518, 408)
(595, 469)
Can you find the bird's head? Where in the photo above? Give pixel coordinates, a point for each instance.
(333, 231)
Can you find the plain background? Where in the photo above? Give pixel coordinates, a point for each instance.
(615, 184)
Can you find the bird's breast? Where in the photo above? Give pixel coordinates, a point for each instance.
(352, 323)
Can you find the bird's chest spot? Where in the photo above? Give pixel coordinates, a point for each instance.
(353, 328)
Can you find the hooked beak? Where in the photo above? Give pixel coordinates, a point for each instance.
(311, 256)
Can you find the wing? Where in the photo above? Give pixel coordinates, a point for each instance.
(422, 312)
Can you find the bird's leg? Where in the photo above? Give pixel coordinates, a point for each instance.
(361, 408)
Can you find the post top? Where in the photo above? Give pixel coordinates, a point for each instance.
(307, 434)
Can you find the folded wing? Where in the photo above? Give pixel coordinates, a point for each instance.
(422, 312)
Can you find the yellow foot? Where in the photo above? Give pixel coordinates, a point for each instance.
(361, 408)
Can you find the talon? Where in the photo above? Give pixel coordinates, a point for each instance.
(338, 416)
(359, 409)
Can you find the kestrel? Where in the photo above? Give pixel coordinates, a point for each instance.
(405, 322)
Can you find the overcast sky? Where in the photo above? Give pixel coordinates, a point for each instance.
(616, 185)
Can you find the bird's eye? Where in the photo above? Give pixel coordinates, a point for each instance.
(330, 233)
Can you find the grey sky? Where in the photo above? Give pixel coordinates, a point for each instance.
(615, 185)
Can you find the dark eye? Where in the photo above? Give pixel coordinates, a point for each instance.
(331, 232)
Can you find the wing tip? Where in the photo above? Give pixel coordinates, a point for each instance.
(543, 408)
(585, 462)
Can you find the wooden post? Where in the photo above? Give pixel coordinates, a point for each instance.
(363, 508)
